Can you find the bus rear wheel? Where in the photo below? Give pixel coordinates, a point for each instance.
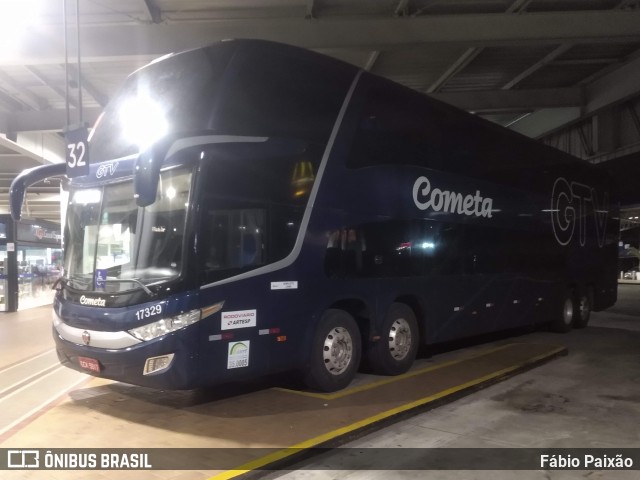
(565, 315)
(584, 304)
(395, 352)
(335, 352)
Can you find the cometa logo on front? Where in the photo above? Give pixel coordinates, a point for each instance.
(446, 201)
(94, 302)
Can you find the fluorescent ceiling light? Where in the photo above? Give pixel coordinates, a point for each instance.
(17, 17)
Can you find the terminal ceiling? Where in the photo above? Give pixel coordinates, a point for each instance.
(536, 66)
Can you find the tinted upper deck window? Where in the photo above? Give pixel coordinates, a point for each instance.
(170, 96)
(233, 88)
(395, 127)
(282, 93)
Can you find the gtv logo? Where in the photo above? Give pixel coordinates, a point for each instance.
(108, 169)
(570, 209)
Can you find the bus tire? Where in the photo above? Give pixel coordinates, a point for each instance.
(396, 351)
(584, 303)
(565, 314)
(335, 352)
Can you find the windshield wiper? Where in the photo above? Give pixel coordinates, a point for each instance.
(62, 281)
(147, 290)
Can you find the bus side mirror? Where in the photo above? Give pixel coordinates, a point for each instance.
(26, 179)
(147, 172)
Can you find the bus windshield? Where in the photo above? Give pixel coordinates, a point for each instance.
(112, 245)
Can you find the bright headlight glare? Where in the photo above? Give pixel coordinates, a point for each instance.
(166, 325)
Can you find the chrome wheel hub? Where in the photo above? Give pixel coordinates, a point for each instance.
(584, 308)
(338, 350)
(568, 311)
(399, 339)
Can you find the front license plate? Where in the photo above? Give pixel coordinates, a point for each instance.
(89, 364)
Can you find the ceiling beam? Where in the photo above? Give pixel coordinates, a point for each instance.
(518, 6)
(513, 100)
(46, 82)
(470, 54)
(24, 95)
(310, 10)
(151, 11)
(53, 120)
(544, 120)
(41, 147)
(615, 87)
(371, 61)
(97, 95)
(118, 41)
(555, 53)
(461, 62)
(402, 9)
(495, 100)
(7, 158)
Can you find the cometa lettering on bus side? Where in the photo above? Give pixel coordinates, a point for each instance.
(452, 202)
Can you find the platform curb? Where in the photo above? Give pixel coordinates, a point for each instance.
(296, 454)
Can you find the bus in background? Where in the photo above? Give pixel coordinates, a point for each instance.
(254, 208)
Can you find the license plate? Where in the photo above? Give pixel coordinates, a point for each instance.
(89, 364)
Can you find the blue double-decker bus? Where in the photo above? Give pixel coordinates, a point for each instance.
(254, 208)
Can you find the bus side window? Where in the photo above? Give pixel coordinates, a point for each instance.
(233, 239)
(345, 253)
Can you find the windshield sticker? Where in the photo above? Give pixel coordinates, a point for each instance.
(238, 354)
(284, 285)
(239, 319)
(100, 278)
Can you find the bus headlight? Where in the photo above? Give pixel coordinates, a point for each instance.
(166, 325)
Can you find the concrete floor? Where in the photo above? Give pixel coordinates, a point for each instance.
(590, 399)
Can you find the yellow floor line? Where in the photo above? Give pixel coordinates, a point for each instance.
(325, 437)
(386, 381)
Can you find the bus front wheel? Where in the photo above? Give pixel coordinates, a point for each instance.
(395, 352)
(335, 352)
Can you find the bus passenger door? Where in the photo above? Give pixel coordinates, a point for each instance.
(459, 303)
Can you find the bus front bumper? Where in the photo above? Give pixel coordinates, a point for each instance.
(169, 362)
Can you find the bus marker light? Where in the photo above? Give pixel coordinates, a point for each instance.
(269, 331)
(208, 311)
(281, 338)
(157, 364)
(224, 336)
